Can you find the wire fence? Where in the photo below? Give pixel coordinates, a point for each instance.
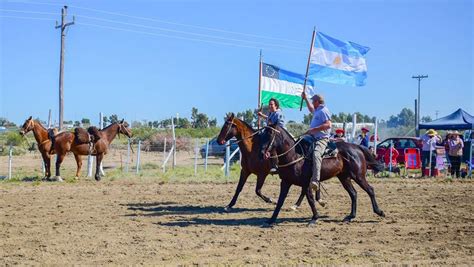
(133, 157)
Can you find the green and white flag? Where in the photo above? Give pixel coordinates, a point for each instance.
(283, 85)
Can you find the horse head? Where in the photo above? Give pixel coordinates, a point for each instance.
(228, 130)
(123, 128)
(27, 126)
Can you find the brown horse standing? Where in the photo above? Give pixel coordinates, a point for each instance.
(66, 142)
(252, 162)
(42, 138)
(295, 169)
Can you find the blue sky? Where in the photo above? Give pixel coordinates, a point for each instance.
(150, 76)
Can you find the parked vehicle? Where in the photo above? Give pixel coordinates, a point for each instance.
(399, 143)
(217, 150)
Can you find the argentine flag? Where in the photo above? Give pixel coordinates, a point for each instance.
(336, 61)
(286, 86)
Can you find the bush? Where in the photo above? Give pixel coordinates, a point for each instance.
(296, 129)
(14, 139)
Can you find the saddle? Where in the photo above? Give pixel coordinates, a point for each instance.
(52, 137)
(83, 136)
(306, 147)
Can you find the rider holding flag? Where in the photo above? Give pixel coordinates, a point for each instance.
(320, 129)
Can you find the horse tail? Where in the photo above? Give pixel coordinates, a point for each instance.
(371, 161)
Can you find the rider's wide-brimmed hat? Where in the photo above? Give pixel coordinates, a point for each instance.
(339, 130)
(455, 133)
(365, 130)
(431, 132)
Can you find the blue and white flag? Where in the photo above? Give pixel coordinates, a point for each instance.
(336, 61)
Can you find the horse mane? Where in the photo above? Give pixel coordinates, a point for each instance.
(108, 126)
(246, 124)
(287, 132)
(40, 124)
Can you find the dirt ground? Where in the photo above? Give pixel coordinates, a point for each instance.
(143, 221)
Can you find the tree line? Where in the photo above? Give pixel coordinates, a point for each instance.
(199, 120)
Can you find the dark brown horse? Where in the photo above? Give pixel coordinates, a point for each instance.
(252, 163)
(66, 142)
(42, 138)
(295, 169)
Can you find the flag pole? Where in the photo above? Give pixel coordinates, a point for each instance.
(307, 66)
(259, 105)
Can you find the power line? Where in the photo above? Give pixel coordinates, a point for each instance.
(153, 34)
(176, 37)
(163, 29)
(167, 22)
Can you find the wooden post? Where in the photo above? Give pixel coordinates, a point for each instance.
(49, 119)
(63, 27)
(101, 126)
(390, 160)
(128, 155)
(307, 66)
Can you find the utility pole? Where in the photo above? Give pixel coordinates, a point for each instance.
(419, 77)
(63, 27)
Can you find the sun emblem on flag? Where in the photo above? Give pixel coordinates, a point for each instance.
(337, 61)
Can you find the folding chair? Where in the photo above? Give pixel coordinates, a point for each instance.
(412, 159)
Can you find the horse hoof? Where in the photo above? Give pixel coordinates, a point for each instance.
(322, 203)
(58, 179)
(227, 209)
(381, 213)
(97, 178)
(348, 218)
(312, 223)
(294, 207)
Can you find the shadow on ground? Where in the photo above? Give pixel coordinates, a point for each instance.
(170, 208)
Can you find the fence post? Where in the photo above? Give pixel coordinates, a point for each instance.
(127, 162)
(196, 151)
(354, 124)
(376, 135)
(390, 160)
(90, 161)
(101, 126)
(43, 167)
(164, 156)
(174, 143)
(207, 154)
(138, 156)
(227, 158)
(10, 155)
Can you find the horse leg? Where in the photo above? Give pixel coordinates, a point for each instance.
(300, 199)
(59, 160)
(362, 182)
(47, 164)
(79, 164)
(312, 204)
(243, 179)
(347, 184)
(284, 188)
(99, 158)
(258, 188)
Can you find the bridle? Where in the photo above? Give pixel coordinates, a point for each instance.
(285, 152)
(232, 123)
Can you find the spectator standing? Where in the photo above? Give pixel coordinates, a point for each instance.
(456, 146)
(429, 139)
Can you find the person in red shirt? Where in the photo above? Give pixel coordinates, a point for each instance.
(391, 161)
